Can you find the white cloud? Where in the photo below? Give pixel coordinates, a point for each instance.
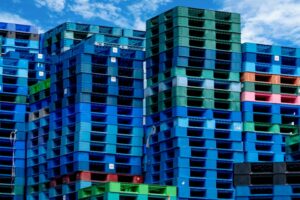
(106, 11)
(132, 16)
(53, 5)
(268, 21)
(16, 19)
(142, 11)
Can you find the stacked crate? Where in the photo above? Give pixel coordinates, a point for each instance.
(193, 122)
(127, 191)
(37, 137)
(270, 100)
(267, 180)
(18, 37)
(96, 113)
(13, 94)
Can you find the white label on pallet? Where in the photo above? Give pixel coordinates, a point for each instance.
(40, 56)
(115, 50)
(125, 47)
(65, 91)
(113, 79)
(41, 73)
(113, 59)
(111, 166)
(276, 58)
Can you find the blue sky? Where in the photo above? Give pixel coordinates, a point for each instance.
(263, 21)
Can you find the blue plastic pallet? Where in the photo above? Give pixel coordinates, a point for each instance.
(282, 109)
(111, 168)
(271, 49)
(195, 113)
(18, 27)
(195, 132)
(264, 157)
(264, 138)
(261, 147)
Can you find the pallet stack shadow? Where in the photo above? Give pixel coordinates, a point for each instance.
(267, 180)
(96, 110)
(270, 100)
(193, 122)
(37, 138)
(127, 191)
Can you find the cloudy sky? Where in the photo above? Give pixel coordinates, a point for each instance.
(263, 21)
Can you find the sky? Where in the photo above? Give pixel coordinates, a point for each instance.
(263, 21)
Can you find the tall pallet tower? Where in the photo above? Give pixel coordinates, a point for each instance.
(193, 123)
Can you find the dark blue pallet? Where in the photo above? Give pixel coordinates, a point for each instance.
(95, 167)
(264, 157)
(253, 147)
(264, 138)
(270, 59)
(262, 117)
(276, 191)
(97, 99)
(190, 142)
(219, 175)
(86, 80)
(98, 119)
(199, 163)
(202, 153)
(114, 52)
(94, 157)
(282, 109)
(18, 28)
(260, 58)
(12, 107)
(193, 191)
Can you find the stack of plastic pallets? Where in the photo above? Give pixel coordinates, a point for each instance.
(270, 100)
(13, 94)
(37, 138)
(193, 125)
(96, 113)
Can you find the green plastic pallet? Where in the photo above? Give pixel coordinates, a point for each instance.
(270, 128)
(293, 139)
(115, 189)
(202, 14)
(194, 73)
(270, 88)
